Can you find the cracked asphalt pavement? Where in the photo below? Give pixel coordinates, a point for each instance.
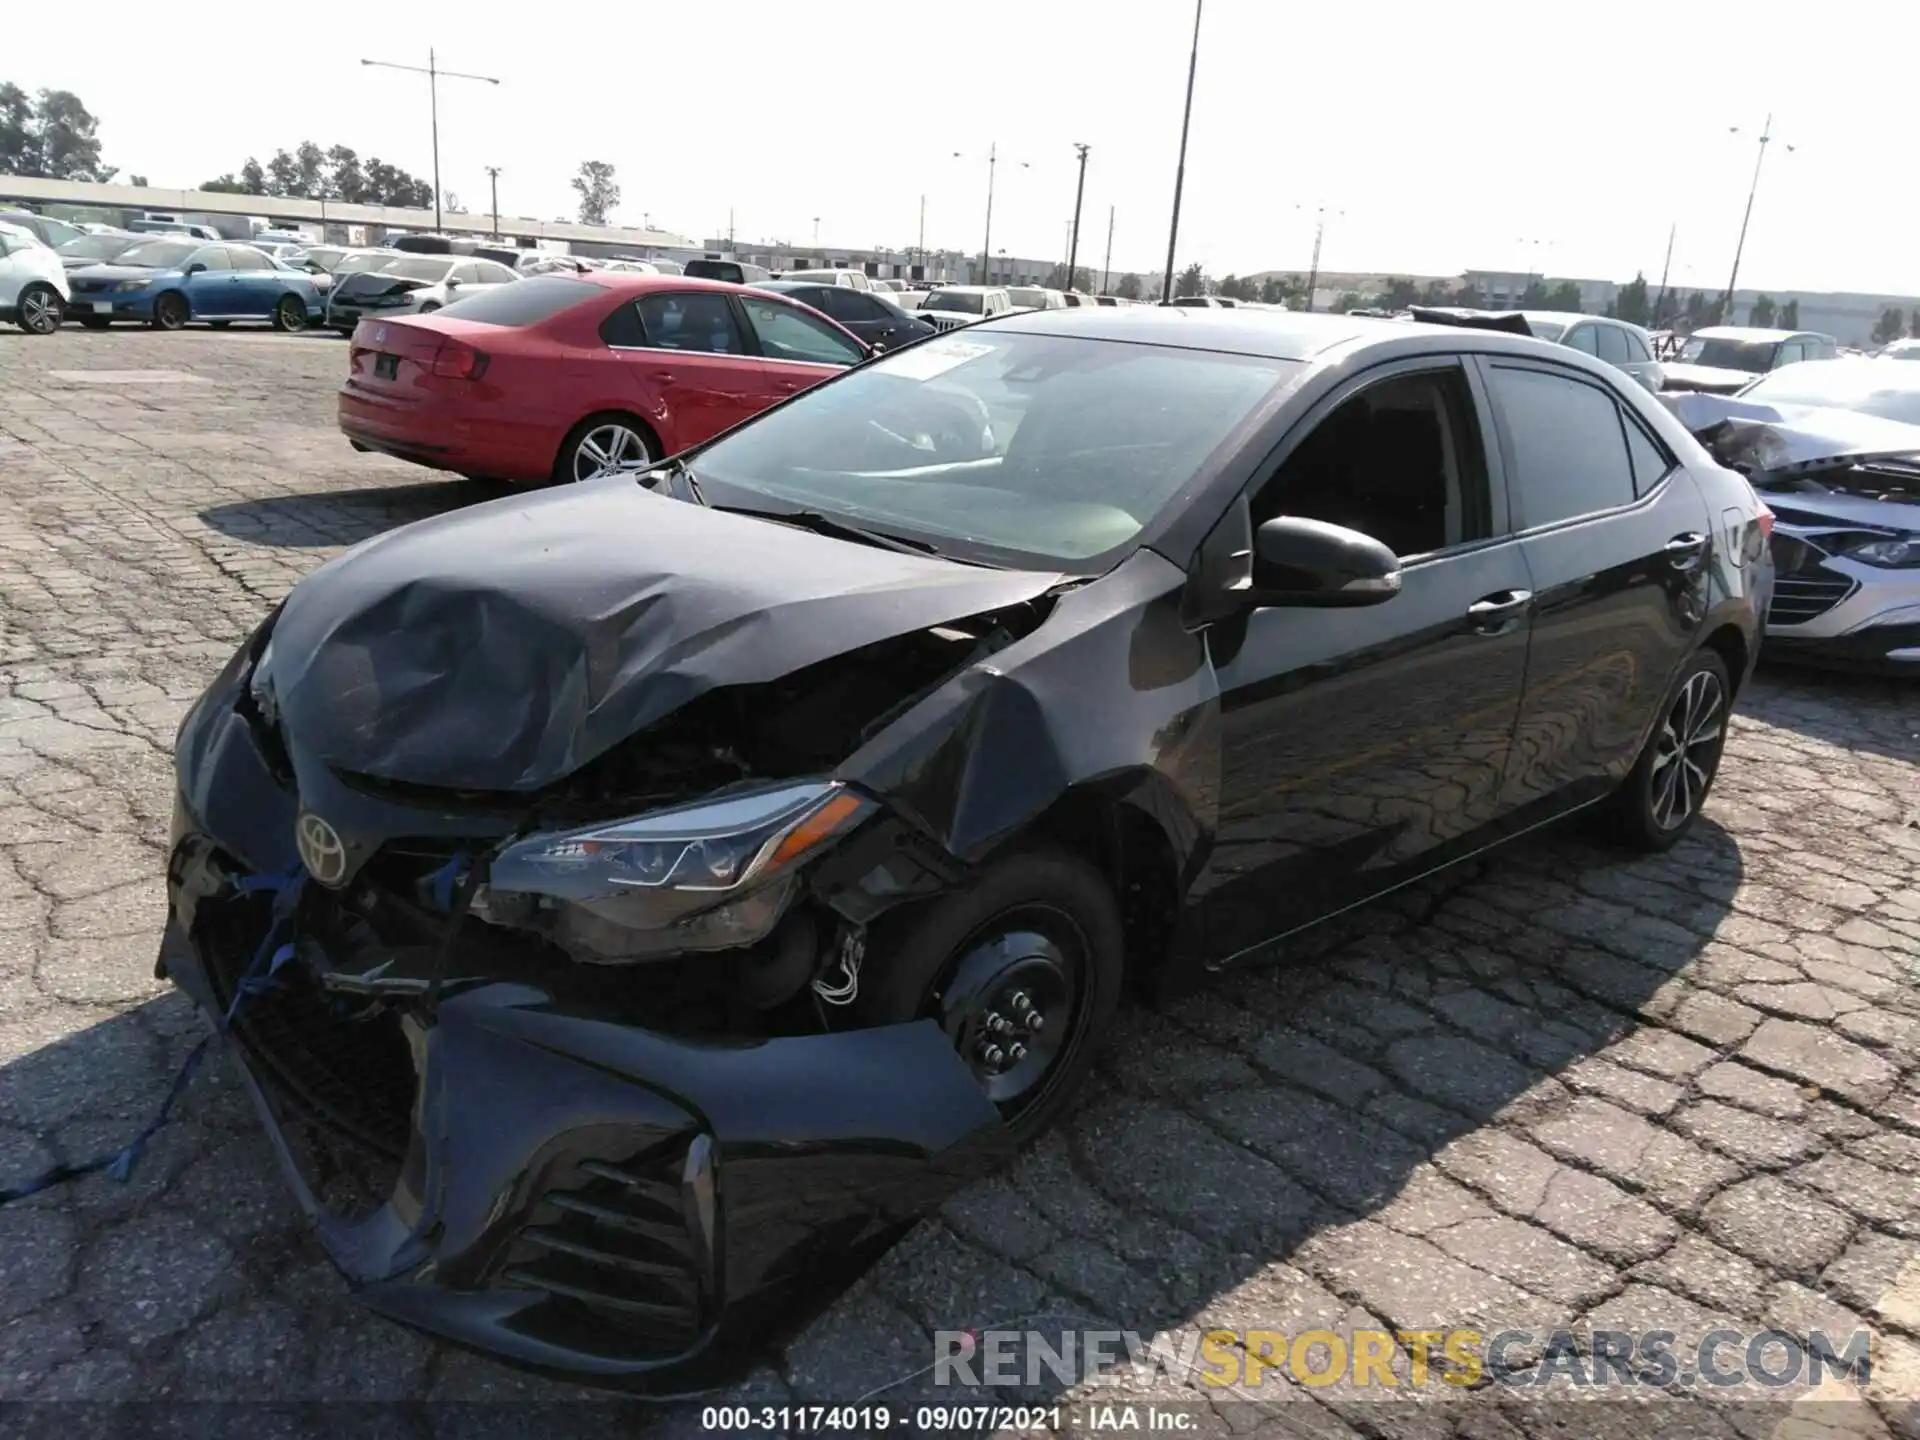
(1561, 1087)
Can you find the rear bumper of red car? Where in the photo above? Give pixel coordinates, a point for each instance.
(447, 436)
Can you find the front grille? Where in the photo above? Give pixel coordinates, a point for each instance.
(946, 322)
(618, 1252)
(92, 287)
(1803, 588)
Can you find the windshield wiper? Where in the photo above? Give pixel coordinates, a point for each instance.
(822, 524)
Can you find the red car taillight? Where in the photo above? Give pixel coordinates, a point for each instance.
(1765, 521)
(457, 360)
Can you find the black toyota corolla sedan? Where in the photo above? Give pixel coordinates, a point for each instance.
(633, 903)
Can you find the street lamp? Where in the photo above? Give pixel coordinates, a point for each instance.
(1079, 193)
(493, 179)
(433, 72)
(1180, 173)
(1766, 138)
(993, 161)
(1319, 232)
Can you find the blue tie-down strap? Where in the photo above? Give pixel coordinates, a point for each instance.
(261, 975)
(444, 881)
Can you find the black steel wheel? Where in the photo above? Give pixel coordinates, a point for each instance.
(1022, 969)
(170, 311)
(290, 314)
(1667, 787)
(38, 311)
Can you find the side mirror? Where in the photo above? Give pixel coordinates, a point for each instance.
(1311, 563)
(452, 284)
(195, 268)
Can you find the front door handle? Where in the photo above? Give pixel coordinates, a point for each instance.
(1685, 552)
(1495, 614)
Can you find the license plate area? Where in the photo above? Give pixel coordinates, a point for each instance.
(386, 367)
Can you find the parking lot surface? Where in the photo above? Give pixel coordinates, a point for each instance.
(1558, 1088)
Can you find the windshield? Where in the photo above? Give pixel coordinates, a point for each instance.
(1032, 298)
(98, 247)
(325, 256)
(419, 267)
(354, 264)
(973, 304)
(160, 254)
(1862, 385)
(1011, 446)
(1546, 329)
(1753, 356)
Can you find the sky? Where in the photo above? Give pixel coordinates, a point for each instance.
(1435, 137)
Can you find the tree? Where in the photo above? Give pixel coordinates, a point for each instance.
(1760, 314)
(1789, 316)
(1057, 280)
(1192, 281)
(137, 180)
(1534, 297)
(1892, 325)
(1913, 325)
(1565, 296)
(1436, 292)
(1470, 297)
(283, 174)
(1129, 287)
(1348, 302)
(1700, 310)
(51, 137)
(1399, 294)
(1632, 304)
(597, 190)
(224, 185)
(1281, 290)
(390, 185)
(311, 162)
(345, 180)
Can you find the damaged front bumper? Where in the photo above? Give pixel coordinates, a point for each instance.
(515, 1171)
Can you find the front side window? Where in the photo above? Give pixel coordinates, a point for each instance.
(837, 303)
(1401, 461)
(1792, 352)
(1613, 345)
(1582, 338)
(1568, 452)
(1636, 346)
(785, 333)
(246, 259)
(1007, 447)
(702, 322)
(1754, 356)
(213, 257)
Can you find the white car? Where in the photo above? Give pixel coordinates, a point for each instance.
(33, 282)
(410, 284)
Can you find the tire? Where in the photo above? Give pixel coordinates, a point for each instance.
(1663, 794)
(38, 310)
(170, 311)
(574, 464)
(218, 324)
(1042, 923)
(95, 322)
(290, 315)
(345, 332)
(428, 308)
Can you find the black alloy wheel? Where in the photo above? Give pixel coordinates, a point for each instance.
(1663, 794)
(290, 314)
(170, 311)
(38, 311)
(1022, 969)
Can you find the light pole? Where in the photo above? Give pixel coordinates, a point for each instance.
(433, 72)
(1079, 193)
(986, 243)
(1319, 233)
(1106, 269)
(493, 179)
(1665, 270)
(1180, 173)
(1766, 138)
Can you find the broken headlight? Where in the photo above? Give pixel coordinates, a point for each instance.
(706, 876)
(1890, 554)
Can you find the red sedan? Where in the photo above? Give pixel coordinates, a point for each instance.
(570, 377)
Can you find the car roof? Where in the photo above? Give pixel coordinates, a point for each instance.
(1574, 317)
(629, 281)
(1277, 334)
(1746, 332)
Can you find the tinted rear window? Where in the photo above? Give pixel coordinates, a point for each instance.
(524, 302)
(725, 270)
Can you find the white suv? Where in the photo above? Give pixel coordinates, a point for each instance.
(33, 282)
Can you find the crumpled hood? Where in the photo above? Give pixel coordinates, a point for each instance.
(1804, 507)
(503, 646)
(1715, 378)
(1758, 437)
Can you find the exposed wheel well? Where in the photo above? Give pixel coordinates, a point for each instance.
(1136, 858)
(1731, 646)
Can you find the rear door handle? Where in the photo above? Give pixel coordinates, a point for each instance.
(1686, 551)
(1491, 615)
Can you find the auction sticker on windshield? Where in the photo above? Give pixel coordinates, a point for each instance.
(923, 362)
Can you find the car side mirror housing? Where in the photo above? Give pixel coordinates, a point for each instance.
(1304, 562)
(195, 268)
(452, 284)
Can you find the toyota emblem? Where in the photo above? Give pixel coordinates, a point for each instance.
(321, 849)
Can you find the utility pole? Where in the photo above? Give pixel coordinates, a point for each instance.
(921, 249)
(1106, 269)
(433, 72)
(1766, 137)
(986, 244)
(730, 229)
(1665, 270)
(1313, 269)
(493, 180)
(1180, 173)
(1079, 193)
